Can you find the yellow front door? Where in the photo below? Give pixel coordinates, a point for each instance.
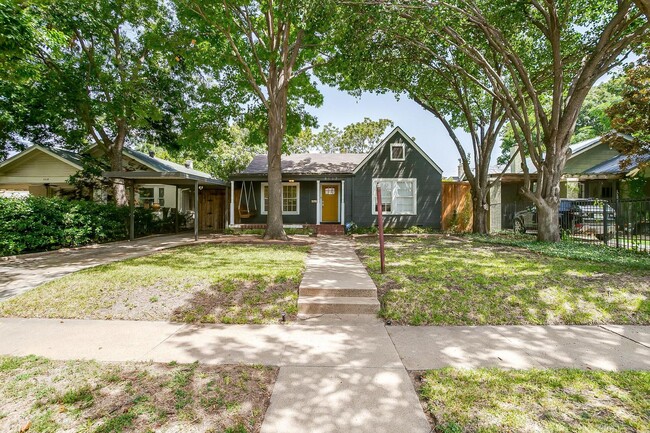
(329, 193)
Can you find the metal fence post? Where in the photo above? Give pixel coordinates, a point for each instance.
(617, 215)
(605, 228)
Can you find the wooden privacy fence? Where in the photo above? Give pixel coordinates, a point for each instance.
(456, 207)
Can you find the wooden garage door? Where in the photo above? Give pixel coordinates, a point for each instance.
(212, 210)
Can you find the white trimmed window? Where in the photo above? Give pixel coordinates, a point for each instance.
(398, 196)
(290, 198)
(397, 151)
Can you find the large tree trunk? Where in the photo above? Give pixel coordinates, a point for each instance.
(547, 198)
(548, 221)
(115, 155)
(479, 212)
(276, 116)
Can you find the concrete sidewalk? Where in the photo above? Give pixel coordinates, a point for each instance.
(24, 272)
(360, 344)
(335, 375)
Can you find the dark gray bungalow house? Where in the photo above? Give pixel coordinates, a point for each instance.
(334, 189)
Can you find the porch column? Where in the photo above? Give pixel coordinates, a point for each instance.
(342, 218)
(177, 210)
(318, 204)
(196, 210)
(132, 211)
(232, 203)
(572, 186)
(495, 208)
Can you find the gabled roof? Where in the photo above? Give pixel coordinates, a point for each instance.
(583, 146)
(308, 164)
(327, 163)
(576, 149)
(408, 139)
(162, 165)
(66, 156)
(75, 160)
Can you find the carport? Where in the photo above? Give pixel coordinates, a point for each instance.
(173, 178)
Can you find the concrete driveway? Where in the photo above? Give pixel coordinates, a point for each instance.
(21, 273)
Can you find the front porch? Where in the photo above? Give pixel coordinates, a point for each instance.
(315, 203)
(204, 199)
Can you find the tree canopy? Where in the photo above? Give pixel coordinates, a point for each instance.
(261, 54)
(95, 72)
(540, 61)
(359, 137)
(593, 120)
(631, 115)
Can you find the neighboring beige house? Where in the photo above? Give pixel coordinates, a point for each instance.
(158, 183)
(592, 171)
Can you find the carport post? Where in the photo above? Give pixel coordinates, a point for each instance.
(132, 211)
(196, 210)
(176, 213)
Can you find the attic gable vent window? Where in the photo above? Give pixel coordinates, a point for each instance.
(397, 151)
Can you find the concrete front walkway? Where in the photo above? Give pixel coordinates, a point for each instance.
(335, 281)
(21, 273)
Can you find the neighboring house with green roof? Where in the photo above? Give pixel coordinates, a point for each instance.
(593, 170)
(158, 183)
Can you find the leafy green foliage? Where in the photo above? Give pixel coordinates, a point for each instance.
(41, 224)
(221, 157)
(572, 250)
(632, 114)
(96, 65)
(359, 137)
(260, 55)
(593, 120)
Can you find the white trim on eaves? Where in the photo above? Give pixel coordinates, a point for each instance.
(43, 149)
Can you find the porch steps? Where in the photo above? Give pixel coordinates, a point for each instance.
(337, 305)
(332, 292)
(329, 229)
(335, 281)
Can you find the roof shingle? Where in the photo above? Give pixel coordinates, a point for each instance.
(309, 163)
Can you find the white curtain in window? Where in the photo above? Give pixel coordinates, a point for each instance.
(398, 196)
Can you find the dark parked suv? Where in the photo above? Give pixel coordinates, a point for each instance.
(578, 216)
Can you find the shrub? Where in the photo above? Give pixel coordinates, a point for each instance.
(41, 224)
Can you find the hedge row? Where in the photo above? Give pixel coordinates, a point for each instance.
(40, 224)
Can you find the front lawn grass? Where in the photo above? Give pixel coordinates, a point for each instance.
(449, 281)
(565, 400)
(570, 249)
(205, 283)
(39, 395)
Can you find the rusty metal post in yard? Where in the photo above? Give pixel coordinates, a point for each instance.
(380, 223)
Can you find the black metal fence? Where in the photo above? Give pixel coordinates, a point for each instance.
(617, 223)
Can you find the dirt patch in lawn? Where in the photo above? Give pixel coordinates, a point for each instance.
(240, 302)
(50, 396)
(228, 283)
